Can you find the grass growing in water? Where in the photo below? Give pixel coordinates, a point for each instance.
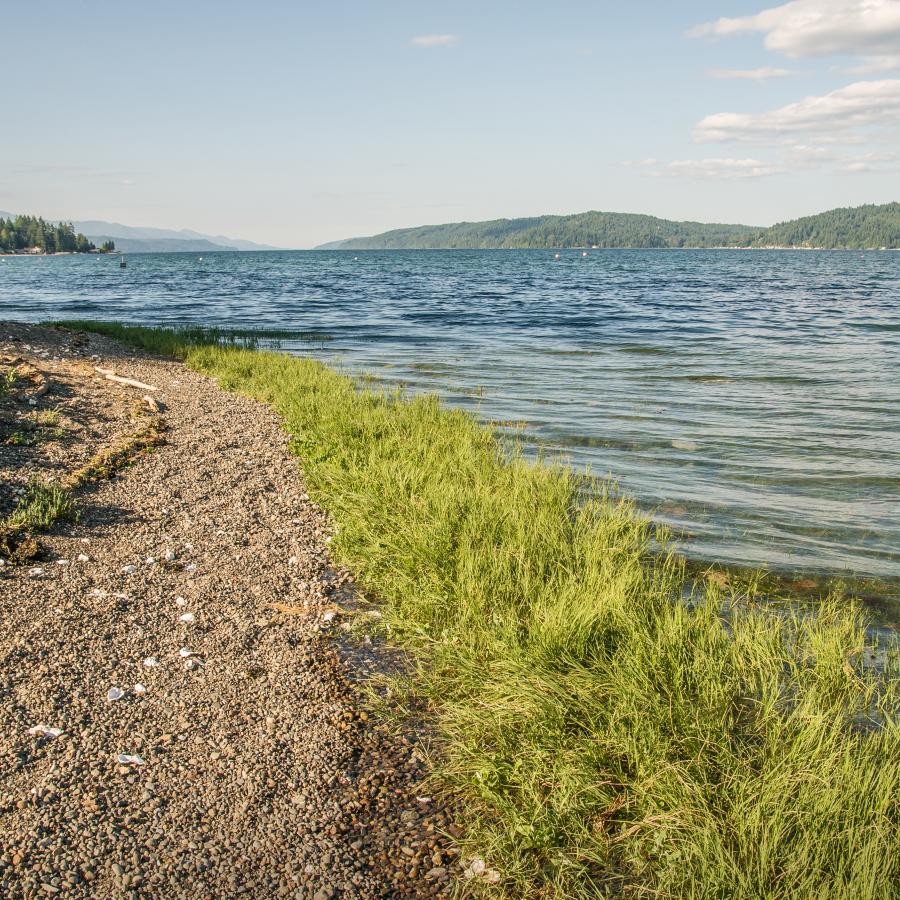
(606, 735)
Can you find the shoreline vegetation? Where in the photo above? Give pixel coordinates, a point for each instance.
(611, 729)
(871, 227)
(32, 236)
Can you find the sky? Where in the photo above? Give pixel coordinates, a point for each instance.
(296, 123)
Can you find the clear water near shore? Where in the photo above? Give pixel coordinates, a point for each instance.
(752, 399)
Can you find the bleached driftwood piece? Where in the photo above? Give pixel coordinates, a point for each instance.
(111, 375)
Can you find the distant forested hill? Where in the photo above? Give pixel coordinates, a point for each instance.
(590, 229)
(852, 227)
(865, 226)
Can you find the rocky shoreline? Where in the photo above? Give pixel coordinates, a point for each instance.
(184, 638)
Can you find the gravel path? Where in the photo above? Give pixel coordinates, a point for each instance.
(200, 573)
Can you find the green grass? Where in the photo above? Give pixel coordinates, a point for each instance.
(43, 505)
(606, 733)
(7, 382)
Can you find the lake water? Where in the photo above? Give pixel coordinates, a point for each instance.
(751, 399)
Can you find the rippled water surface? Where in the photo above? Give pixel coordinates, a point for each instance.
(751, 398)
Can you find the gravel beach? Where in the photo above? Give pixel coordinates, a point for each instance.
(184, 636)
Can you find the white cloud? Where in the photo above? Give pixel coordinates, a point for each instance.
(721, 169)
(819, 27)
(830, 117)
(792, 158)
(761, 74)
(434, 40)
(875, 65)
(810, 156)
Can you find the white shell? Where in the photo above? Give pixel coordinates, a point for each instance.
(115, 693)
(126, 759)
(45, 731)
(151, 661)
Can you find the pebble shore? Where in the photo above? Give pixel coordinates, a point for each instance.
(179, 716)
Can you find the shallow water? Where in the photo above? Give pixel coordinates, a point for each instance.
(752, 399)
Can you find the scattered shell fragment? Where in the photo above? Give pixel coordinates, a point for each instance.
(62, 562)
(151, 561)
(151, 661)
(139, 688)
(129, 570)
(127, 759)
(170, 555)
(187, 618)
(475, 869)
(36, 572)
(190, 567)
(83, 557)
(478, 869)
(115, 693)
(329, 616)
(180, 601)
(184, 652)
(45, 731)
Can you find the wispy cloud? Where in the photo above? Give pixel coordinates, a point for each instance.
(721, 169)
(762, 74)
(788, 159)
(811, 156)
(804, 28)
(434, 40)
(875, 65)
(837, 116)
(710, 168)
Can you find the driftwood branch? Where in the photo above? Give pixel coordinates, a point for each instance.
(111, 375)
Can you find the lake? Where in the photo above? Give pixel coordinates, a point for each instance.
(749, 399)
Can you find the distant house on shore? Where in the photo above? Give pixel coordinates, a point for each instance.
(35, 250)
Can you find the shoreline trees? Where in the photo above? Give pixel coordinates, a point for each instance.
(24, 234)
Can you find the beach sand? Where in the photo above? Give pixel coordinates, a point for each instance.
(252, 766)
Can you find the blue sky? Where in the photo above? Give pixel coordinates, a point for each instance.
(295, 123)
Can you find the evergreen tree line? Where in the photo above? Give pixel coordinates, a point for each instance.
(27, 232)
(863, 227)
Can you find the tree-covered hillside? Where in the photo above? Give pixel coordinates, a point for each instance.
(864, 226)
(23, 233)
(852, 227)
(590, 229)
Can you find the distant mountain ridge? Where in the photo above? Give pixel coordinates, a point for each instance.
(863, 227)
(136, 239)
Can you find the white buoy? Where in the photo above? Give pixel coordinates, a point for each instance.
(556, 256)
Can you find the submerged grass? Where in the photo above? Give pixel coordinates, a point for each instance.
(607, 736)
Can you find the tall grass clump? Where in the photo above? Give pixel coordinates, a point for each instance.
(610, 730)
